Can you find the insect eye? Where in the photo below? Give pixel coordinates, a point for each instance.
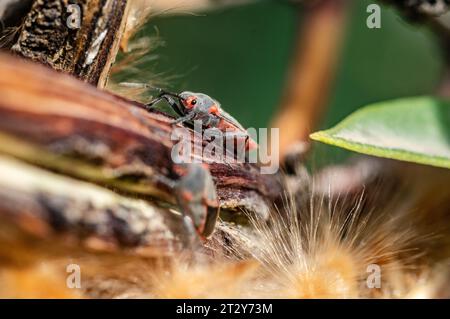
(193, 102)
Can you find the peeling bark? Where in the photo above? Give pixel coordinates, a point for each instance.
(57, 122)
(66, 143)
(37, 204)
(86, 52)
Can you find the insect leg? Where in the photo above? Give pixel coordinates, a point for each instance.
(192, 235)
(173, 104)
(150, 105)
(169, 99)
(183, 119)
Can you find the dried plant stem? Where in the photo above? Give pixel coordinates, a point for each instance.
(312, 72)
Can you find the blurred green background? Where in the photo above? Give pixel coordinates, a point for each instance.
(241, 55)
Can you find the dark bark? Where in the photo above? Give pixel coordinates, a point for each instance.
(85, 52)
(13, 11)
(57, 122)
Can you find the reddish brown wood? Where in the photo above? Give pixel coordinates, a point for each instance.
(65, 117)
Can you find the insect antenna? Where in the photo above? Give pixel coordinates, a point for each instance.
(148, 86)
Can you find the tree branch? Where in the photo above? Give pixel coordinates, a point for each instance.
(86, 52)
(57, 122)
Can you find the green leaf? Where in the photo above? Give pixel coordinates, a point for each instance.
(410, 129)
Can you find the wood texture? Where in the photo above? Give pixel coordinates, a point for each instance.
(57, 122)
(86, 52)
(43, 209)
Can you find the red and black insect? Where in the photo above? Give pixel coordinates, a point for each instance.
(197, 198)
(195, 190)
(192, 106)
